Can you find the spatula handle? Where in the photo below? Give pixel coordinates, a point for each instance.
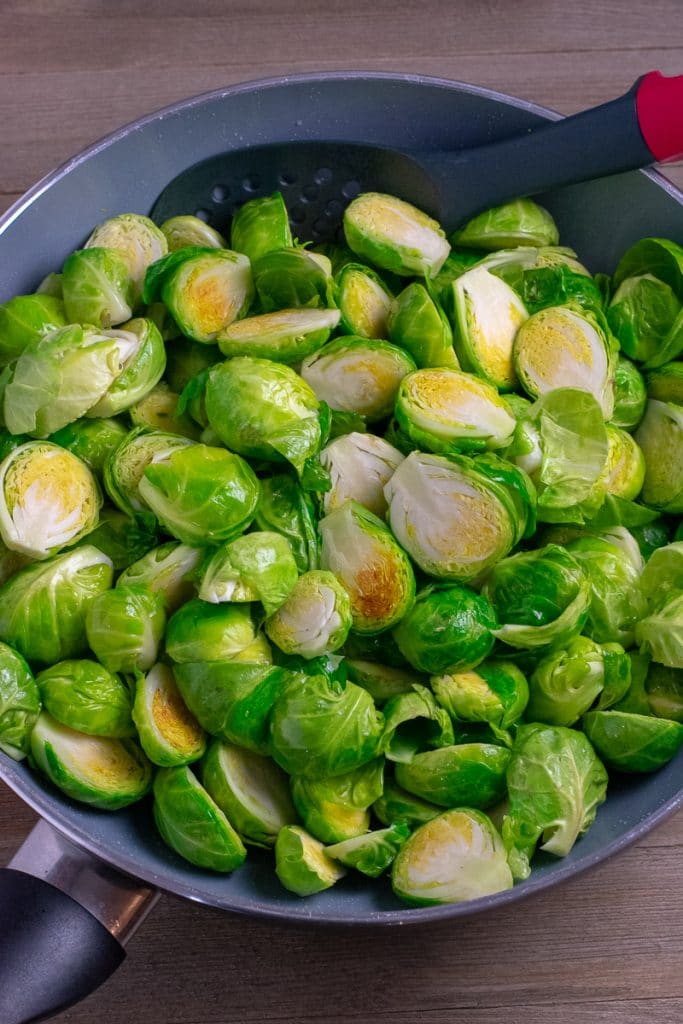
(659, 108)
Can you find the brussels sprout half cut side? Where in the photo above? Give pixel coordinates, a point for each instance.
(315, 618)
(660, 438)
(137, 240)
(301, 863)
(359, 466)
(285, 336)
(125, 467)
(394, 235)
(186, 229)
(169, 733)
(207, 291)
(363, 300)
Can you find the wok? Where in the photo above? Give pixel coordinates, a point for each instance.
(84, 879)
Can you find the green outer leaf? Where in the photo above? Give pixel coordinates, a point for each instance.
(633, 743)
(335, 809)
(24, 320)
(85, 696)
(284, 507)
(413, 722)
(396, 805)
(371, 854)
(464, 775)
(301, 863)
(19, 703)
(125, 627)
(660, 634)
(448, 629)
(261, 225)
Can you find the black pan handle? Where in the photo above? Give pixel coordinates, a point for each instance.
(64, 917)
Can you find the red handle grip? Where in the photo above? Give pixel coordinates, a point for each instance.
(659, 105)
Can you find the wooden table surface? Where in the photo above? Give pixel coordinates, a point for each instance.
(607, 947)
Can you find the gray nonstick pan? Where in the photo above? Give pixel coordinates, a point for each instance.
(84, 879)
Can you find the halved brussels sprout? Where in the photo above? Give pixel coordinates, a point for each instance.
(185, 230)
(660, 634)
(541, 597)
(359, 466)
(624, 470)
(125, 467)
(560, 347)
(263, 410)
(96, 770)
(259, 566)
(520, 222)
(48, 499)
(192, 824)
(335, 809)
(487, 313)
(371, 854)
(456, 856)
(284, 507)
(417, 324)
(381, 681)
(250, 789)
(443, 410)
(97, 288)
(642, 314)
(555, 784)
(125, 627)
(205, 290)
(633, 743)
(301, 863)
(660, 437)
(361, 551)
(292, 278)
(448, 629)
(19, 703)
(566, 683)
(142, 368)
(413, 722)
(613, 568)
(285, 336)
(137, 240)
(24, 320)
(464, 775)
(321, 726)
(167, 570)
(666, 383)
(664, 688)
(395, 235)
(158, 410)
(364, 301)
(260, 226)
(452, 515)
(86, 697)
(169, 733)
(43, 607)
(630, 396)
(495, 692)
(396, 805)
(358, 375)
(199, 631)
(203, 495)
(315, 618)
(92, 440)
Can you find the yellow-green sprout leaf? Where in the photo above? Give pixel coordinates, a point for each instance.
(359, 466)
(521, 222)
(142, 368)
(260, 226)
(495, 692)
(259, 566)
(285, 336)
(566, 682)
(169, 733)
(666, 383)
(337, 808)
(125, 468)
(372, 853)
(97, 288)
(125, 627)
(199, 631)
(137, 240)
(624, 471)
(463, 775)
(167, 570)
(660, 438)
(630, 395)
(363, 300)
(633, 743)
(24, 320)
(301, 863)
(19, 703)
(419, 325)
(185, 230)
(85, 696)
(394, 235)
(448, 629)
(314, 619)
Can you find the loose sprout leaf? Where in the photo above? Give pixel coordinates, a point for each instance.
(19, 703)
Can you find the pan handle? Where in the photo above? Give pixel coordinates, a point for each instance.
(64, 920)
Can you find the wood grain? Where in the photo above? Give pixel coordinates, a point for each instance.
(605, 947)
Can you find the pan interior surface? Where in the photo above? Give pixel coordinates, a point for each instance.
(126, 173)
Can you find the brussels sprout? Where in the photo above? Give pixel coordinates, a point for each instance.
(496, 693)
(364, 301)
(263, 410)
(394, 235)
(357, 375)
(624, 470)
(359, 466)
(185, 359)
(50, 285)
(285, 336)
(260, 226)
(465, 775)
(666, 383)
(256, 567)
(233, 700)
(372, 853)
(613, 572)
(285, 508)
(630, 396)
(61, 377)
(192, 824)
(448, 629)
(396, 805)
(169, 734)
(202, 495)
(444, 410)
(158, 410)
(199, 631)
(315, 618)
(663, 574)
(664, 688)
(251, 790)
(540, 597)
(564, 347)
(125, 467)
(417, 324)
(660, 634)
(642, 313)
(562, 444)
(88, 698)
(555, 785)
(413, 722)
(92, 440)
(96, 770)
(43, 607)
(521, 222)
(456, 856)
(166, 570)
(185, 230)
(650, 536)
(633, 743)
(617, 676)
(452, 515)
(322, 727)
(125, 626)
(660, 437)
(137, 240)
(291, 278)
(142, 369)
(48, 499)
(19, 703)
(566, 683)
(301, 863)
(359, 549)
(204, 289)
(336, 809)
(487, 313)
(26, 319)
(97, 288)
(381, 681)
